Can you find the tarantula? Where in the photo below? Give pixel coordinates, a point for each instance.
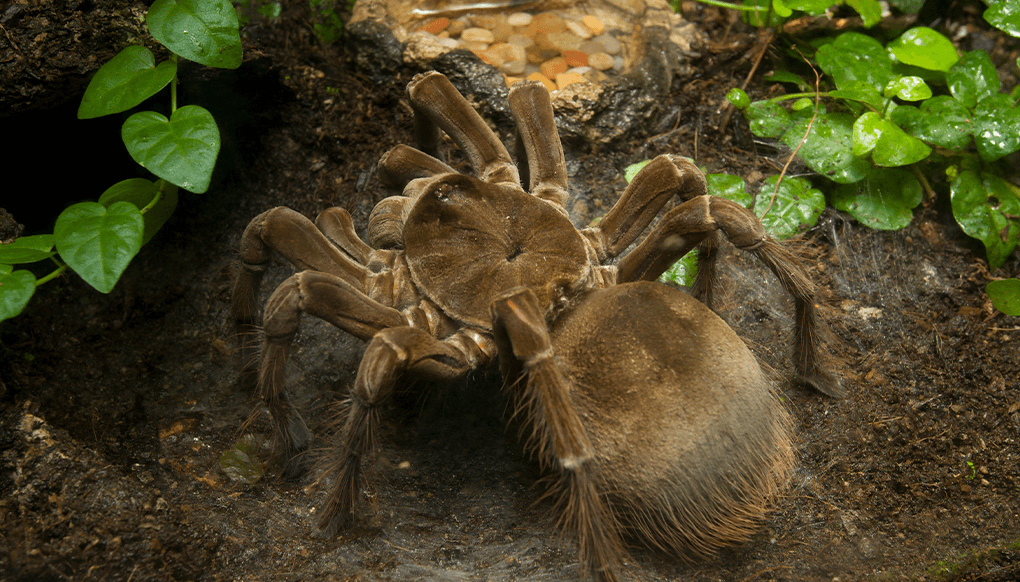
(650, 415)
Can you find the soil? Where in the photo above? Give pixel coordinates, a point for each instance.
(115, 409)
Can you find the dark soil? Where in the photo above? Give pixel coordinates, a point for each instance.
(115, 409)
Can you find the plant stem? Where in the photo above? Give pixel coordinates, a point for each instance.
(173, 86)
(719, 4)
(160, 188)
(56, 273)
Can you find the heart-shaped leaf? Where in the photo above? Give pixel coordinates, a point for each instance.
(996, 127)
(987, 208)
(896, 148)
(15, 290)
(730, 187)
(867, 130)
(98, 242)
(870, 11)
(854, 57)
(908, 88)
(204, 31)
(925, 48)
(796, 205)
(973, 78)
(27, 249)
(767, 118)
(1005, 295)
(882, 201)
(827, 147)
(1004, 15)
(125, 81)
(181, 150)
(941, 120)
(141, 193)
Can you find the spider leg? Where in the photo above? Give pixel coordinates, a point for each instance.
(390, 354)
(438, 105)
(545, 171)
(403, 163)
(695, 221)
(338, 226)
(327, 297)
(664, 177)
(558, 435)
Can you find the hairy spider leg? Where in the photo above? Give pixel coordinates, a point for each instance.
(391, 354)
(558, 436)
(438, 105)
(539, 150)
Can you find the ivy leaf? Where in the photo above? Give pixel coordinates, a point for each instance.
(767, 118)
(987, 208)
(27, 249)
(925, 48)
(98, 242)
(996, 127)
(141, 192)
(181, 150)
(124, 82)
(827, 148)
(883, 200)
(1005, 295)
(797, 205)
(204, 31)
(941, 120)
(973, 78)
(1005, 16)
(855, 57)
(15, 290)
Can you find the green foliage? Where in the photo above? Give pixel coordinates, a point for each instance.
(241, 461)
(97, 240)
(1005, 295)
(328, 25)
(887, 115)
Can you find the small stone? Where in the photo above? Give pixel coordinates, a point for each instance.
(477, 35)
(580, 29)
(514, 67)
(590, 47)
(554, 67)
(594, 24)
(601, 61)
(521, 40)
(538, 55)
(580, 70)
(487, 21)
(565, 41)
(519, 19)
(473, 46)
(547, 22)
(458, 26)
(511, 80)
(609, 44)
(575, 58)
(436, 26)
(502, 31)
(595, 76)
(549, 85)
(511, 52)
(450, 43)
(490, 57)
(564, 79)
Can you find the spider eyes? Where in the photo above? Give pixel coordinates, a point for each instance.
(443, 191)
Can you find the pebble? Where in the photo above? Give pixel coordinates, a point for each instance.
(540, 47)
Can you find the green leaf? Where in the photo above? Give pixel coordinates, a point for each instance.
(98, 242)
(141, 192)
(767, 118)
(860, 91)
(827, 149)
(241, 462)
(870, 11)
(125, 81)
(854, 57)
(204, 31)
(941, 120)
(896, 148)
(1005, 16)
(780, 76)
(925, 48)
(682, 272)
(812, 7)
(882, 201)
(973, 78)
(908, 6)
(27, 249)
(797, 205)
(730, 187)
(738, 97)
(908, 88)
(15, 290)
(996, 127)
(1005, 295)
(867, 130)
(181, 150)
(632, 170)
(987, 208)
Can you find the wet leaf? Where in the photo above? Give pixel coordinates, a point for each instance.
(15, 290)
(241, 462)
(141, 192)
(767, 118)
(181, 150)
(787, 77)
(854, 57)
(942, 121)
(908, 88)
(860, 91)
(870, 11)
(730, 187)
(996, 127)
(925, 48)
(204, 31)
(882, 201)
(1005, 15)
(812, 7)
(867, 130)
(738, 97)
(987, 208)
(896, 148)
(124, 82)
(683, 271)
(27, 249)
(1005, 295)
(632, 170)
(827, 148)
(973, 78)
(98, 242)
(796, 205)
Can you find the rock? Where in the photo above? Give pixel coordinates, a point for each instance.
(601, 61)
(519, 19)
(480, 35)
(543, 80)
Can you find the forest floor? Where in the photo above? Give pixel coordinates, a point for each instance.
(115, 409)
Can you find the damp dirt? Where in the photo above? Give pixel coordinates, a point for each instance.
(115, 409)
